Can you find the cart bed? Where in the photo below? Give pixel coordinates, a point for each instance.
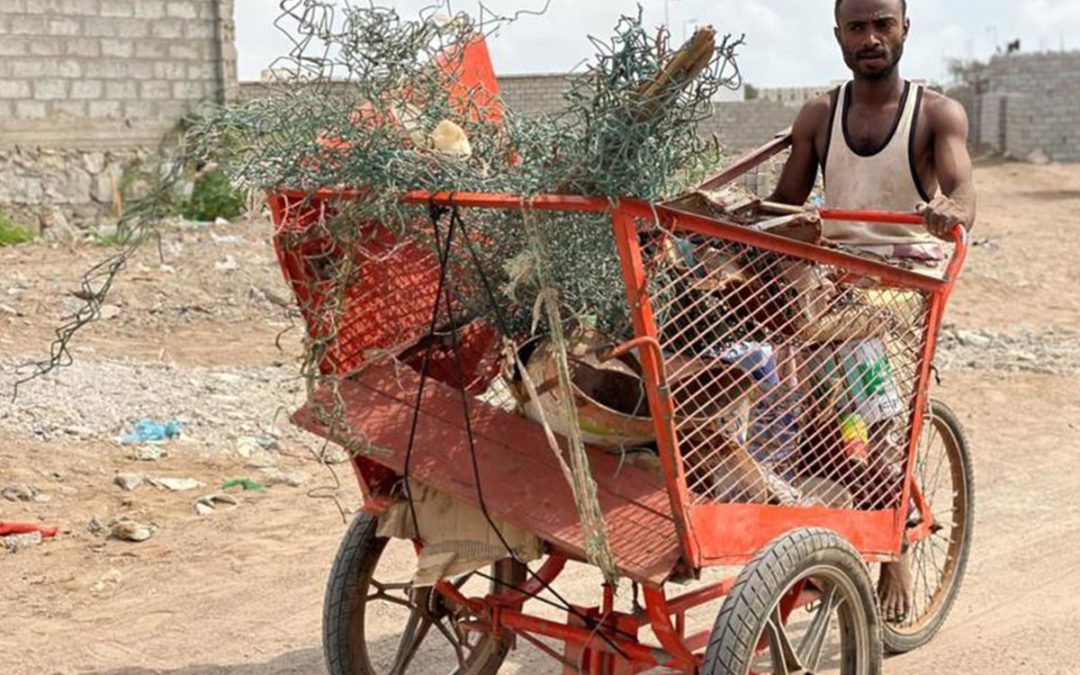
(521, 479)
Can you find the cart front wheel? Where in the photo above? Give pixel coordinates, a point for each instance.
(804, 605)
(376, 623)
(943, 472)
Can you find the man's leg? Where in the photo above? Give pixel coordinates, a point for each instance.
(894, 589)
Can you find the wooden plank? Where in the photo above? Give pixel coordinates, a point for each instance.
(521, 480)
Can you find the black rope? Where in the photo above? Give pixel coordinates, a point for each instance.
(456, 222)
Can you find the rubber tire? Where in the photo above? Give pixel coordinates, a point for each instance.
(896, 643)
(760, 585)
(359, 552)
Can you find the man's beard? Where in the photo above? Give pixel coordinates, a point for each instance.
(885, 73)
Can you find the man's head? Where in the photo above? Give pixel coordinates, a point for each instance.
(871, 34)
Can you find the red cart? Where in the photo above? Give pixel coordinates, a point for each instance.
(807, 468)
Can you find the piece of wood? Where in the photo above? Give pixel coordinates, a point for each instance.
(520, 478)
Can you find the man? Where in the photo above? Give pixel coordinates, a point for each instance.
(883, 144)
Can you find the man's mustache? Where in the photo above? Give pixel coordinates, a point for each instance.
(874, 54)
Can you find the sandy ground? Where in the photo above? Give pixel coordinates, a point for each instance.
(240, 592)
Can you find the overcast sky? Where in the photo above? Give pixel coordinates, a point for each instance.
(789, 42)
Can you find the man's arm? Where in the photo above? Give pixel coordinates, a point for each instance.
(952, 163)
(800, 171)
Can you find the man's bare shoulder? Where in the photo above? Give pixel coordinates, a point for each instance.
(814, 116)
(944, 113)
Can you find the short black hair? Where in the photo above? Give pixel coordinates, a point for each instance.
(903, 5)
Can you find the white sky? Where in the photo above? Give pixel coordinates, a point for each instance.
(789, 42)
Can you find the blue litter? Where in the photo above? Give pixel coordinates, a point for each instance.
(148, 431)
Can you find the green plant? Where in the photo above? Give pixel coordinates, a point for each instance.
(213, 197)
(11, 234)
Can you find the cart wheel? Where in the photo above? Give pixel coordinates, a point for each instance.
(804, 605)
(411, 630)
(944, 473)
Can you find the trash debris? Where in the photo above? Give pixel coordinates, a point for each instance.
(208, 504)
(19, 492)
(148, 431)
(986, 243)
(250, 445)
(128, 481)
(18, 542)
(9, 527)
(148, 453)
(274, 477)
(245, 483)
(130, 530)
(175, 484)
(226, 239)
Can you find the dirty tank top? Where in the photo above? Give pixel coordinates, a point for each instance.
(883, 180)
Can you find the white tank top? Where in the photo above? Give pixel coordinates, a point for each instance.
(884, 180)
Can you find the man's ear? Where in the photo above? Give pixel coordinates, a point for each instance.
(907, 27)
(836, 32)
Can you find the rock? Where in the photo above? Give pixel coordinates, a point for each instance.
(1038, 157)
(974, 339)
(129, 530)
(109, 312)
(273, 477)
(42, 498)
(18, 542)
(148, 453)
(95, 526)
(112, 577)
(227, 265)
(208, 504)
(176, 484)
(219, 221)
(9, 311)
(18, 492)
(81, 432)
(128, 481)
(262, 459)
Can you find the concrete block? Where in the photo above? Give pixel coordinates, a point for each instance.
(88, 47)
(86, 89)
(31, 110)
(155, 90)
(50, 90)
(45, 47)
(105, 110)
(118, 8)
(199, 30)
(68, 109)
(201, 71)
(167, 29)
(181, 9)
(121, 90)
(151, 49)
(140, 110)
(14, 46)
(29, 25)
(150, 9)
(116, 69)
(66, 26)
(189, 91)
(169, 71)
(35, 68)
(184, 50)
(14, 89)
(122, 49)
(12, 6)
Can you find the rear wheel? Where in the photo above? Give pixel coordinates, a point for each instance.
(376, 623)
(804, 605)
(944, 474)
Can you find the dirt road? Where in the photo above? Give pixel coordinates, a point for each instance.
(239, 592)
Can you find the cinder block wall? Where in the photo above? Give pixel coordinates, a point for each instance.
(86, 85)
(1031, 104)
(106, 74)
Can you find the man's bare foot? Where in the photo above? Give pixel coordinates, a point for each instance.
(894, 589)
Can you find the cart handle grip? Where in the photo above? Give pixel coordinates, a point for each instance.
(959, 232)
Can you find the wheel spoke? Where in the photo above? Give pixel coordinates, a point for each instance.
(813, 643)
(784, 658)
(415, 631)
(459, 651)
(382, 592)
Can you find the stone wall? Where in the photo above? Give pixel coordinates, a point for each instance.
(88, 82)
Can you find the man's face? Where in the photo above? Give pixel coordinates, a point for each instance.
(871, 34)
